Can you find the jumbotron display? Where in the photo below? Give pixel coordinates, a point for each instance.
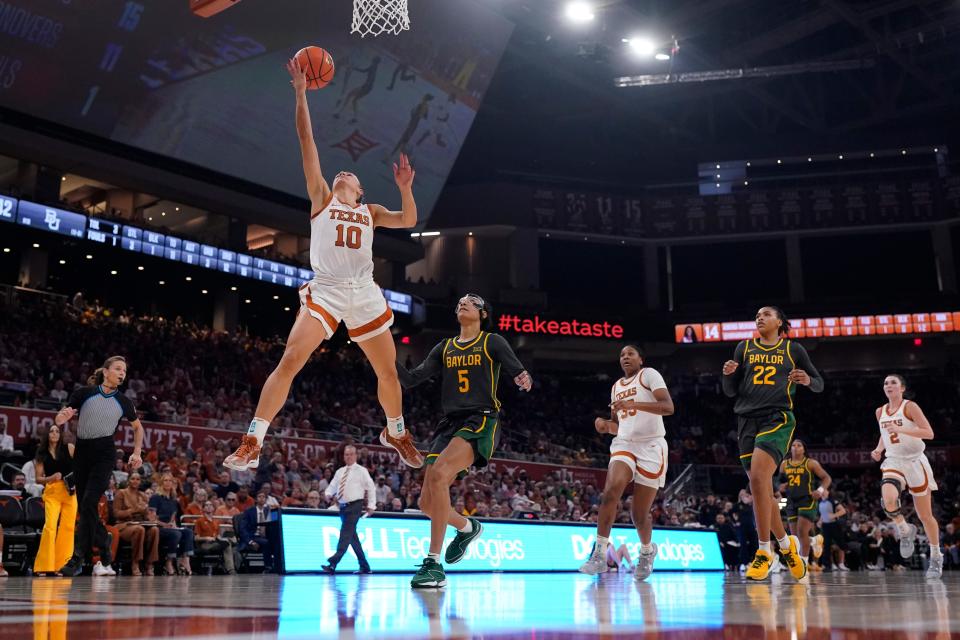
(829, 327)
(169, 247)
(213, 93)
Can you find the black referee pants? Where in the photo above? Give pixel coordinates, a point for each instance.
(93, 463)
(350, 514)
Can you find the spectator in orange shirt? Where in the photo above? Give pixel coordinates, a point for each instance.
(295, 500)
(229, 508)
(195, 506)
(207, 532)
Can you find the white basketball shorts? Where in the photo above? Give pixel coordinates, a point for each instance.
(361, 307)
(915, 472)
(647, 459)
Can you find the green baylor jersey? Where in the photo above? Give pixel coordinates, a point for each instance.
(761, 382)
(469, 372)
(799, 479)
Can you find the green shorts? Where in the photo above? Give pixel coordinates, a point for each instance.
(771, 432)
(807, 507)
(481, 430)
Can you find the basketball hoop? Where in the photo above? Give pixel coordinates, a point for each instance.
(373, 17)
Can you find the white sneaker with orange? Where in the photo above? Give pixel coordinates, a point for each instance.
(247, 455)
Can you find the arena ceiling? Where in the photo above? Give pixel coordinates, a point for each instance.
(553, 110)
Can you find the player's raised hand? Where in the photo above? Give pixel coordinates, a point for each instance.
(298, 77)
(799, 376)
(403, 173)
(524, 381)
(729, 367)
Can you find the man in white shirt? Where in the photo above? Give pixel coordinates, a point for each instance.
(351, 487)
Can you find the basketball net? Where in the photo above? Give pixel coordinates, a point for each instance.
(373, 17)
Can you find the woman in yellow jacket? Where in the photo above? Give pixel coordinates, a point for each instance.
(54, 463)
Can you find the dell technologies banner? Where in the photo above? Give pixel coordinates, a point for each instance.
(398, 543)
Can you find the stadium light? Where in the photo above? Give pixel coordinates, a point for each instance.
(163, 282)
(662, 56)
(89, 257)
(203, 291)
(643, 47)
(6, 249)
(63, 262)
(113, 272)
(579, 12)
(36, 245)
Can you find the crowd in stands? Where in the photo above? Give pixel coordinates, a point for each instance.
(181, 373)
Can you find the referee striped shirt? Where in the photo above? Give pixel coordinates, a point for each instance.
(99, 412)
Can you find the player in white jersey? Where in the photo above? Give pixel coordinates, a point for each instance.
(903, 428)
(341, 240)
(638, 454)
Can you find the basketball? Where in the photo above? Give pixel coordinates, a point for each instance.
(318, 64)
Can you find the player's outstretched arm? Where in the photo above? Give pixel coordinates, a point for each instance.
(500, 351)
(406, 218)
(317, 187)
(424, 371)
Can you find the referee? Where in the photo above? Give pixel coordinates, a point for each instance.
(100, 407)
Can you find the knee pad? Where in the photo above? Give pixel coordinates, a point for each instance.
(895, 483)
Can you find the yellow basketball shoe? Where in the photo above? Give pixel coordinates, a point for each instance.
(760, 567)
(791, 558)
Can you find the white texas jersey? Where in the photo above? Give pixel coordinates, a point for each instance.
(639, 425)
(897, 444)
(341, 242)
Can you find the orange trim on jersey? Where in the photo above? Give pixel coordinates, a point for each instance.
(640, 380)
(652, 476)
(326, 203)
(624, 382)
(886, 408)
(926, 482)
(326, 315)
(373, 325)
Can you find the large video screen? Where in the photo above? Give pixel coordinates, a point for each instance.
(214, 92)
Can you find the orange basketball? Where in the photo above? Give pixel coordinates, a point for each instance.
(318, 64)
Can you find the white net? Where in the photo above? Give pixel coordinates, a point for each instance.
(373, 17)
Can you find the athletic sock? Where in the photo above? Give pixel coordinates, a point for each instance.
(765, 546)
(258, 429)
(903, 528)
(935, 552)
(602, 544)
(646, 549)
(784, 542)
(395, 427)
(434, 556)
(467, 528)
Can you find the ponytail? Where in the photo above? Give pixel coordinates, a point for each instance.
(97, 377)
